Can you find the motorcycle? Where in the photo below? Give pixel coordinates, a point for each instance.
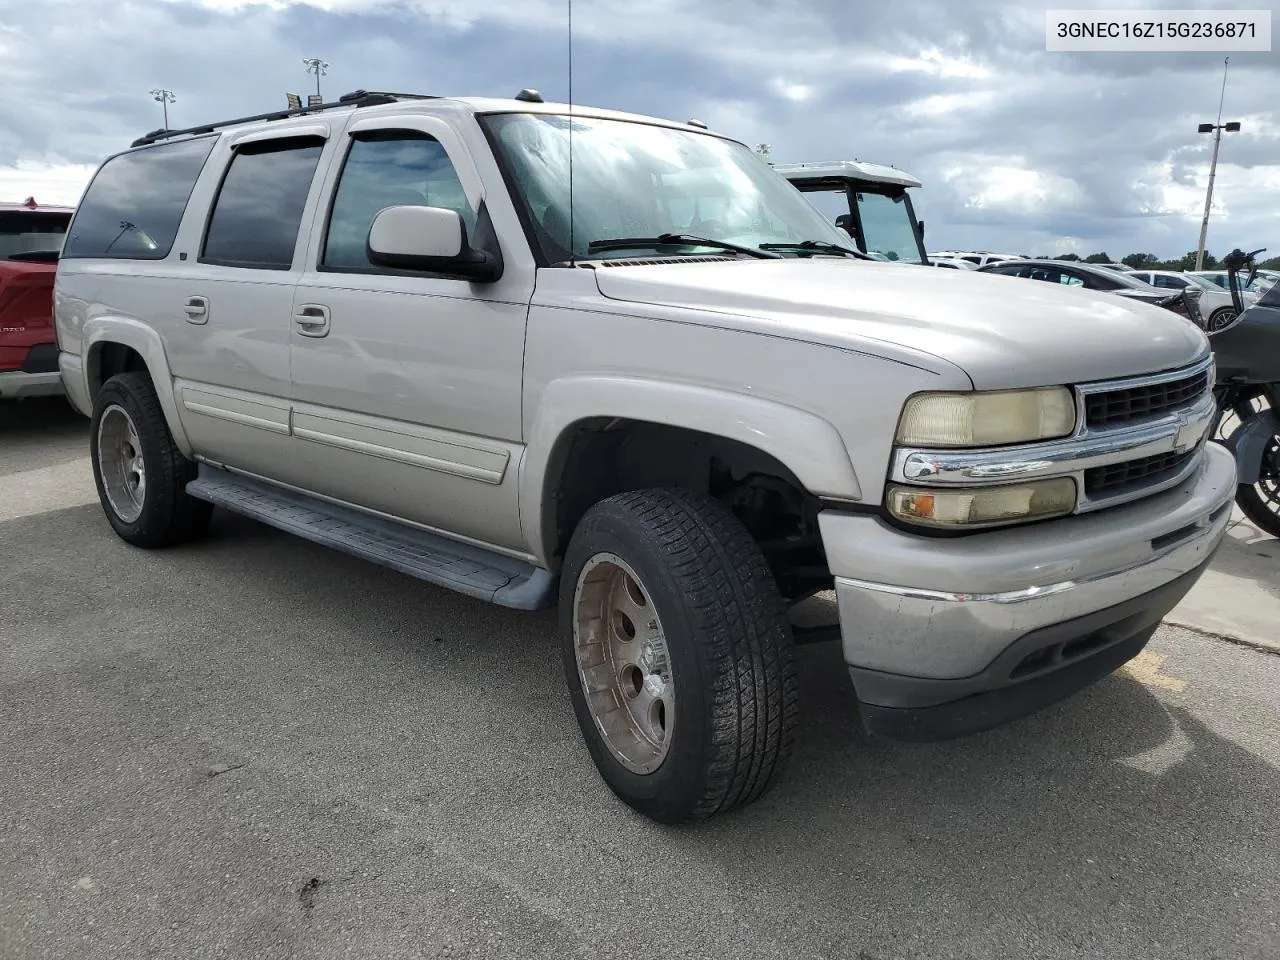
(1247, 388)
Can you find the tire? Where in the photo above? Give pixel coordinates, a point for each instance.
(1220, 318)
(710, 599)
(157, 512)
(1254, 506)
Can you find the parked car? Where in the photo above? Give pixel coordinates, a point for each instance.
(978, 258)
(869, 201)
(1094, 277)
(384, 326)
(1258, 286)
(1215, 302)
(953, 263)
(30, 235)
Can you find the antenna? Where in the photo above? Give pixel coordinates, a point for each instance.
(571, 126)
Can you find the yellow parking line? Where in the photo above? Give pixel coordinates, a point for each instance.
(1145, 668)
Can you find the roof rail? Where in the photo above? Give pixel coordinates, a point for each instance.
(357, 98)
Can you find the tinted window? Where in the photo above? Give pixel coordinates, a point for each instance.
(1271, 298)
(258, 212)
(1170, 283)
(1055, 275)
(1005, 271)
(135, 203)
(23, 232)
(389, 170)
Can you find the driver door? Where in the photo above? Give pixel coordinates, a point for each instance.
(406, 385)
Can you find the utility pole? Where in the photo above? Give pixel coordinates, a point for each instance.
(164, 98)
(318, 67)
(1216, 129)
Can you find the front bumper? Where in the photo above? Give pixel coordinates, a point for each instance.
(1031, 614)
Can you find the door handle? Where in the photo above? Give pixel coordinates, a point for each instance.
(312, 320)
(197, 310)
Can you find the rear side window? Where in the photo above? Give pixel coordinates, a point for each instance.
(258, 212)
(135, 203)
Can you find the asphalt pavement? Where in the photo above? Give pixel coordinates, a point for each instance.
(254, 747)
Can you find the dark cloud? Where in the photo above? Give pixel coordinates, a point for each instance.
(1018, 148)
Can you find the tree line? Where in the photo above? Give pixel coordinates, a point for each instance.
(1149, 261)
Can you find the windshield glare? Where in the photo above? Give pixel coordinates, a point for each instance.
(641, 180)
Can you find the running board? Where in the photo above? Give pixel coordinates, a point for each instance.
(467, 569)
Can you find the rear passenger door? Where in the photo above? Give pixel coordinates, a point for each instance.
(230, 351)
(407, 384)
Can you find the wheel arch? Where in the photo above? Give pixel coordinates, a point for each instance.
(117, 344)
(804, 449)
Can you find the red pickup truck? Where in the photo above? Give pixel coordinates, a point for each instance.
(30, 239)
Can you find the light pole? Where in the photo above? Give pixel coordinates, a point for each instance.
(317, 66)
(164, 98)
(1216, 129)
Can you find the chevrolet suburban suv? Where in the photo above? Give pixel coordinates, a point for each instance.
(673, 402)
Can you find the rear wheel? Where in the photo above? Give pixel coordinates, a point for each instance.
(140, 473)
(678, 654)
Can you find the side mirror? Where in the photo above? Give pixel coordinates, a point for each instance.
(430, 239)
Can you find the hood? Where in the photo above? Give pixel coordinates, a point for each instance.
(1001, 331)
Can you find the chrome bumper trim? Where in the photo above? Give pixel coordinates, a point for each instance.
(1047, 590)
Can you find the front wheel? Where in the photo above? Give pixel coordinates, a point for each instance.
(678, 654)
(1260, 501)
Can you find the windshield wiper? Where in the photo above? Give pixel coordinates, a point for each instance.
(817, 246)
(676, 240)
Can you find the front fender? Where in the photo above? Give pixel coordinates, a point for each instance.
(806, 444)
(135, 334)
(1249, 443)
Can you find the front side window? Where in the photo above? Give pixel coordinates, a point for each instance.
(258, 212)
(389, 169)
(639, 180)
(136, 201)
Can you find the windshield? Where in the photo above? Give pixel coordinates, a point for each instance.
(31, 232)
(887, 226)
(641, 180)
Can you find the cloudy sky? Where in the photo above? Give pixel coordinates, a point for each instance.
(1019, 149)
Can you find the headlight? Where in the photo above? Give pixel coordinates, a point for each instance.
(983, 506)
(987, 419)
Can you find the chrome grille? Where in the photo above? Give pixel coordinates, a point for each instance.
(1116, 478)
(1114, 408)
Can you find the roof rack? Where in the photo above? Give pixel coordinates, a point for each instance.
(357, 98)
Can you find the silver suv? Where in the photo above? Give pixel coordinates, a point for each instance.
(674, 402)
